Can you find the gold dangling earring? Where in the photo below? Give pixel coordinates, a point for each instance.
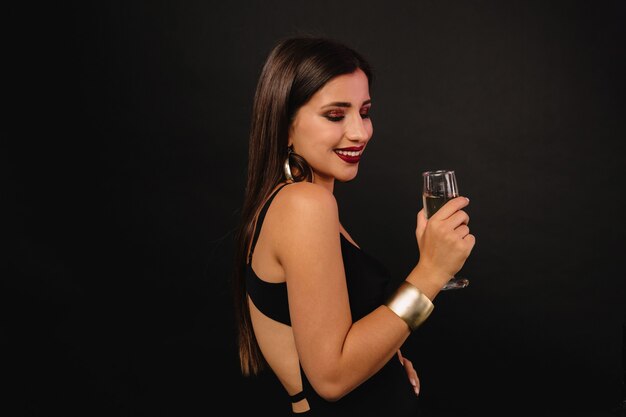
(287, 168)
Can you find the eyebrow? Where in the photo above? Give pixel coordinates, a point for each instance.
(344, 104)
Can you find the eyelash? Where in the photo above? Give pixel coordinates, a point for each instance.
(365, 115)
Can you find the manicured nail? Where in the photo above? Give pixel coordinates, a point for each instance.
(417, 391)
(414, 382)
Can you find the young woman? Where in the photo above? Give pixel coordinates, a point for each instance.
(310, 304)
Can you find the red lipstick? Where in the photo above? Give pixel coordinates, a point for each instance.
(351, 159)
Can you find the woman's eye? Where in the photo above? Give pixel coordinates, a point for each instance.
(334, 116)
(365, 114)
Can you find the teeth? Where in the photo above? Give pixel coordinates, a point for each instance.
(348, 153)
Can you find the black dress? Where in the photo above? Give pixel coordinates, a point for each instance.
(388, 392)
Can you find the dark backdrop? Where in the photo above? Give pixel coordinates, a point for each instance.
(126, 177)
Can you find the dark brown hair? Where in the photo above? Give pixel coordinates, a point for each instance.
(294, 71)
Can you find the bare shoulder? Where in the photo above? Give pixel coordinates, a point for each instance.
(306, 197)
(304, 225)
(306, 205)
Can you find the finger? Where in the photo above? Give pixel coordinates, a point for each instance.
(458, 218)
(462, 231)
(471, 240)
(408, 365)
(400, 357)
(451, 207)
(412, 374)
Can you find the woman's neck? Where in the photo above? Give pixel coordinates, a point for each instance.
(328, 183)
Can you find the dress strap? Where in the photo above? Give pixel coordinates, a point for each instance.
(260, 219)
(297, 397)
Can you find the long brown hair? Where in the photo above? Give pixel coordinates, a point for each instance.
(295, 69)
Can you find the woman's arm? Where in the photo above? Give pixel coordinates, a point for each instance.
(337, 354)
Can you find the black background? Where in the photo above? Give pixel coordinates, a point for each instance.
(126, 170)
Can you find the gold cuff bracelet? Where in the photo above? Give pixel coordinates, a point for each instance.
(410, 304)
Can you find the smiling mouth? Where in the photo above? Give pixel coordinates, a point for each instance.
(350, 155)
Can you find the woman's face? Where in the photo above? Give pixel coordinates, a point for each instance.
(332, 129)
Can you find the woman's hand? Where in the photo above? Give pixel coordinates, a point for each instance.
(410, 372)
(444, 240)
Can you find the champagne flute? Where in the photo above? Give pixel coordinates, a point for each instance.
(439, 187)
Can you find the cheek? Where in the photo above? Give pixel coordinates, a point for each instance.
(320, 136)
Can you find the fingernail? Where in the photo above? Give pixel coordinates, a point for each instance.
(414, 382)
(467, 199)
(417, 391)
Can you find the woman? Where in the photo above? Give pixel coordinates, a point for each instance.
(311, 305)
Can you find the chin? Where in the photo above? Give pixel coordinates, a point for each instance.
(346, 178)
(346, 181)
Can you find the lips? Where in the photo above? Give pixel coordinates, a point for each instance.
(351, 155)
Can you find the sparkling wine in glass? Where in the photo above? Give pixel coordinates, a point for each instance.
(439, 187)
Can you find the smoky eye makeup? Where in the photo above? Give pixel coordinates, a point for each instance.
(335, 115)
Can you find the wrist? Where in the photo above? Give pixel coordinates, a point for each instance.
(410, 304)
(428, 279)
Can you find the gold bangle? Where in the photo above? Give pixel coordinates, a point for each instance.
(410, 304)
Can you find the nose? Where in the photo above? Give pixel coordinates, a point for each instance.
(357, 130)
